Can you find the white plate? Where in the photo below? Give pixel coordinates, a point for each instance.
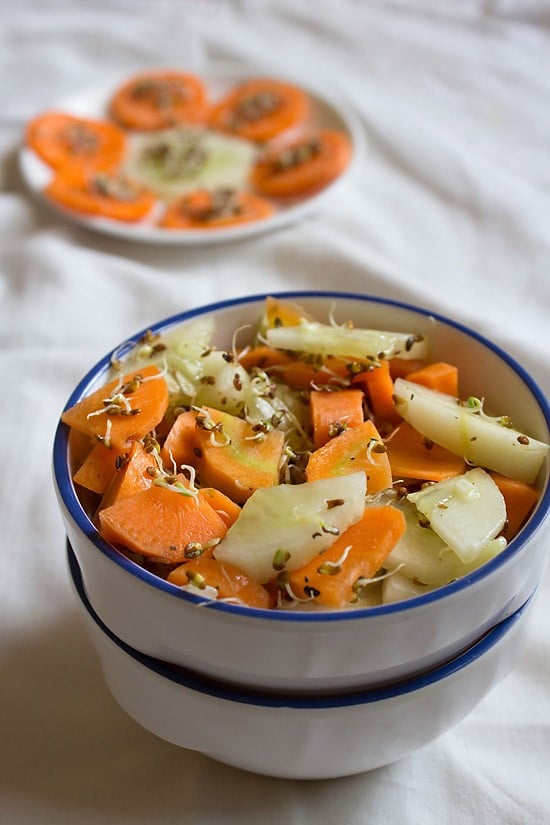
(329, 110)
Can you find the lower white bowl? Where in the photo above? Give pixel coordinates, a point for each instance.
(300, 737)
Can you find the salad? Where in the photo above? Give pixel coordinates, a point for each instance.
(165, 150)
(321, 466)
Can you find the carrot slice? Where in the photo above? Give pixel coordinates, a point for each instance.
(160, 523)
(302, 167)
(401, 367)
(260, 109)
(99, 193)
(334, 412)
(227, 510)
(136, 473)
(438, 376)
(359, 448)
(413, 456)
(234, 458)
(299, 375)
(378, 384)
(156, 100)
(215, 209)
(334, 578)
(65, 141)
(520, 499)
(280, 313)
(230, 582)
(124, 410)
(98, 468)
(179, 444)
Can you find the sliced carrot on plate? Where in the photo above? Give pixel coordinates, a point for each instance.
(439, 376)
(520, 499)
(65, 141)
(159, 99)
(302, 167)
(101, 194)
(260, 109)
(215, 209)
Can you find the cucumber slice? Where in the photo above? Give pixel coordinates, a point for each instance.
(175, 161)
(466, 511)
(422, 555)
(359, 344)
(397, 588)
(284, 527)
(469, 432)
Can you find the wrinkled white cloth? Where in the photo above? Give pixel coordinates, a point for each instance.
(449, 208)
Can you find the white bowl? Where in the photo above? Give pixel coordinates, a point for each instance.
(301, 737)
(325, 651)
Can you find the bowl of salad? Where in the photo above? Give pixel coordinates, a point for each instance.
(305, 492)
(300, 736)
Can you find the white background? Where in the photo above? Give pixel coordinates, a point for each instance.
(450, 209)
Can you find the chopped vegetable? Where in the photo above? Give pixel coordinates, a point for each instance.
(303, 166)
(465, 429)
(356, 448)
(284, 527)
(250, 475)
(260, 109)
(336, 577)
(155, 100)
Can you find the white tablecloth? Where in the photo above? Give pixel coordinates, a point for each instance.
(449, 209)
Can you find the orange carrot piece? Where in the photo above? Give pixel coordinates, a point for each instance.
(98, 193)
(330, 577)
(158, 100)
(438, 376)
(230, 582)
(68, 142)
(281, 313)
(144, 390)
(334, 412)
(303, 166)
(260, 109)
(401, 367)
(520, 499)
(300, 375)
(134, 475)
(200, 210)
(98, 468)
(79, 447)
(413, 456)
(227, 510)
(232, 459)
(359, 448)
(159, 523)
(180, 442)
(378, 383)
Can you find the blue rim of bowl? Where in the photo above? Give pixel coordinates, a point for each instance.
(211, 687)
(67, 492)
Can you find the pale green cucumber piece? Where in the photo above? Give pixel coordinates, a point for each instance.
(354, 343)
(466, 511)
(480, 439)
(172, 170)
(423, 556)
(397, 588)
(284, 527)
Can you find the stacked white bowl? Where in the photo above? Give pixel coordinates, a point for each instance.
(313, 694)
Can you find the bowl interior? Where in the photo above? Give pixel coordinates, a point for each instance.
(485, 370)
